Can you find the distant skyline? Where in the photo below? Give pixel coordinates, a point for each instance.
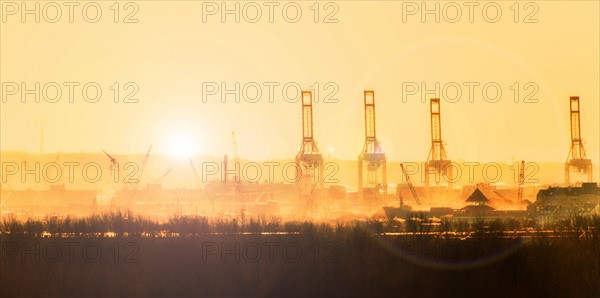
(170, 54)
(17, 175)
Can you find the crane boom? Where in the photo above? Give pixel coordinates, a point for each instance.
(162, 177)
(410, 185)
(115, 169)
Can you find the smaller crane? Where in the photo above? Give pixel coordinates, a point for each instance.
(114, 166)
(236, 158)
(236, 155)
(199, 182)
(160, 179)
(113, 161)
(137, 181)
(521, 181)
(410, 185)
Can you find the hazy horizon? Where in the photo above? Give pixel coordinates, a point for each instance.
(173, 60)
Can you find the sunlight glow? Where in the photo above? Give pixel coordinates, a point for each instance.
(182, 145)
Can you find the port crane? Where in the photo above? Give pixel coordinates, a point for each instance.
(371, 155)
(576, 159)
(308, 159)
(437, 160)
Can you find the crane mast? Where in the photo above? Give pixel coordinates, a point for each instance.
(437, 160)
(371, 155)
(308, 159)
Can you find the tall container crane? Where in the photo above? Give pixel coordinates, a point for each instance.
(309, 159)
(371, 156)
(576, 159)
(437, 160)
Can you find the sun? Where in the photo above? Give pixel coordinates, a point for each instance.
(182, 145)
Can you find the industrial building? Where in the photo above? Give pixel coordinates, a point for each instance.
(557, 203)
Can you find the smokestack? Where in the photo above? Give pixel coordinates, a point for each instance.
(42, 136)
(225, 166)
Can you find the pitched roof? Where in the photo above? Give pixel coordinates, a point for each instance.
(478, 208)
(589, 188)
(477, 196)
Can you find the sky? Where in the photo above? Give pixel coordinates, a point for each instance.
(175, 61)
